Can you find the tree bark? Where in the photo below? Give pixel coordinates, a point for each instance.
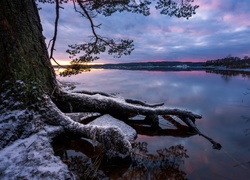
(23, 52)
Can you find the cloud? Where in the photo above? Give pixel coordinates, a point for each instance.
(219, 28)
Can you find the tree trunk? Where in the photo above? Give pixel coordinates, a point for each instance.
(23, 52)
(27, 82)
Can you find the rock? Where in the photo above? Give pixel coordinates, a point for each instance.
(109, 121)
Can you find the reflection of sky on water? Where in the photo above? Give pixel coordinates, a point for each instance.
(220, 101)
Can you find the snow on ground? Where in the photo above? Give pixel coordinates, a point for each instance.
(25, 138)
(79, 117)
(32, 158)
(109, 121)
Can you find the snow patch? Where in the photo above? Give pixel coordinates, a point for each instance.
(32, 158)
(78, 117)
(108, 121)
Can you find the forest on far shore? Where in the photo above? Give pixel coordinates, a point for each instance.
(230, 62)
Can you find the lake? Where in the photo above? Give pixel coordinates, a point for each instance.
(223, 100)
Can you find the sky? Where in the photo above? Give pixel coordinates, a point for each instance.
(218, 29)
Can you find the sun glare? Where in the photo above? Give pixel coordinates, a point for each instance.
(66, 62)
(61, 62)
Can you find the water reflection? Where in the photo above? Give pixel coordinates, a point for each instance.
(165, 164)
(227, 75)
(222, 105)
(88, 162)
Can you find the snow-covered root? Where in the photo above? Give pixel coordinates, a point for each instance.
(27, 127)
(115, 143)
(119, 107)
(123, 109)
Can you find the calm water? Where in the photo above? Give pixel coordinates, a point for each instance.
(221, 100)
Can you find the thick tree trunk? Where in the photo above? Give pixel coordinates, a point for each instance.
(23, 52)
(27, 81)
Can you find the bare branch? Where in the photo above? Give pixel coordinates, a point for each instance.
(55, 30)
(53, 40)
(89, 18)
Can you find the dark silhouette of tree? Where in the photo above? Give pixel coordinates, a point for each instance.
(230, 62)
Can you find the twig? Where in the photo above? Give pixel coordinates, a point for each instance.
(55, 31)
(53, 40)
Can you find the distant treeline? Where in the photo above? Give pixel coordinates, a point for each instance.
(230, 62)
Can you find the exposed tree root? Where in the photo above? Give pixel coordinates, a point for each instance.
(117, 107)
(124, 109)
(22, 119)
(116, 145)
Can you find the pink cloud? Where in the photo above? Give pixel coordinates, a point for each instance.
(240, 19)
(176, 29)
(208, 4)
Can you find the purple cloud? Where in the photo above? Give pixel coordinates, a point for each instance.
(220, 28)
